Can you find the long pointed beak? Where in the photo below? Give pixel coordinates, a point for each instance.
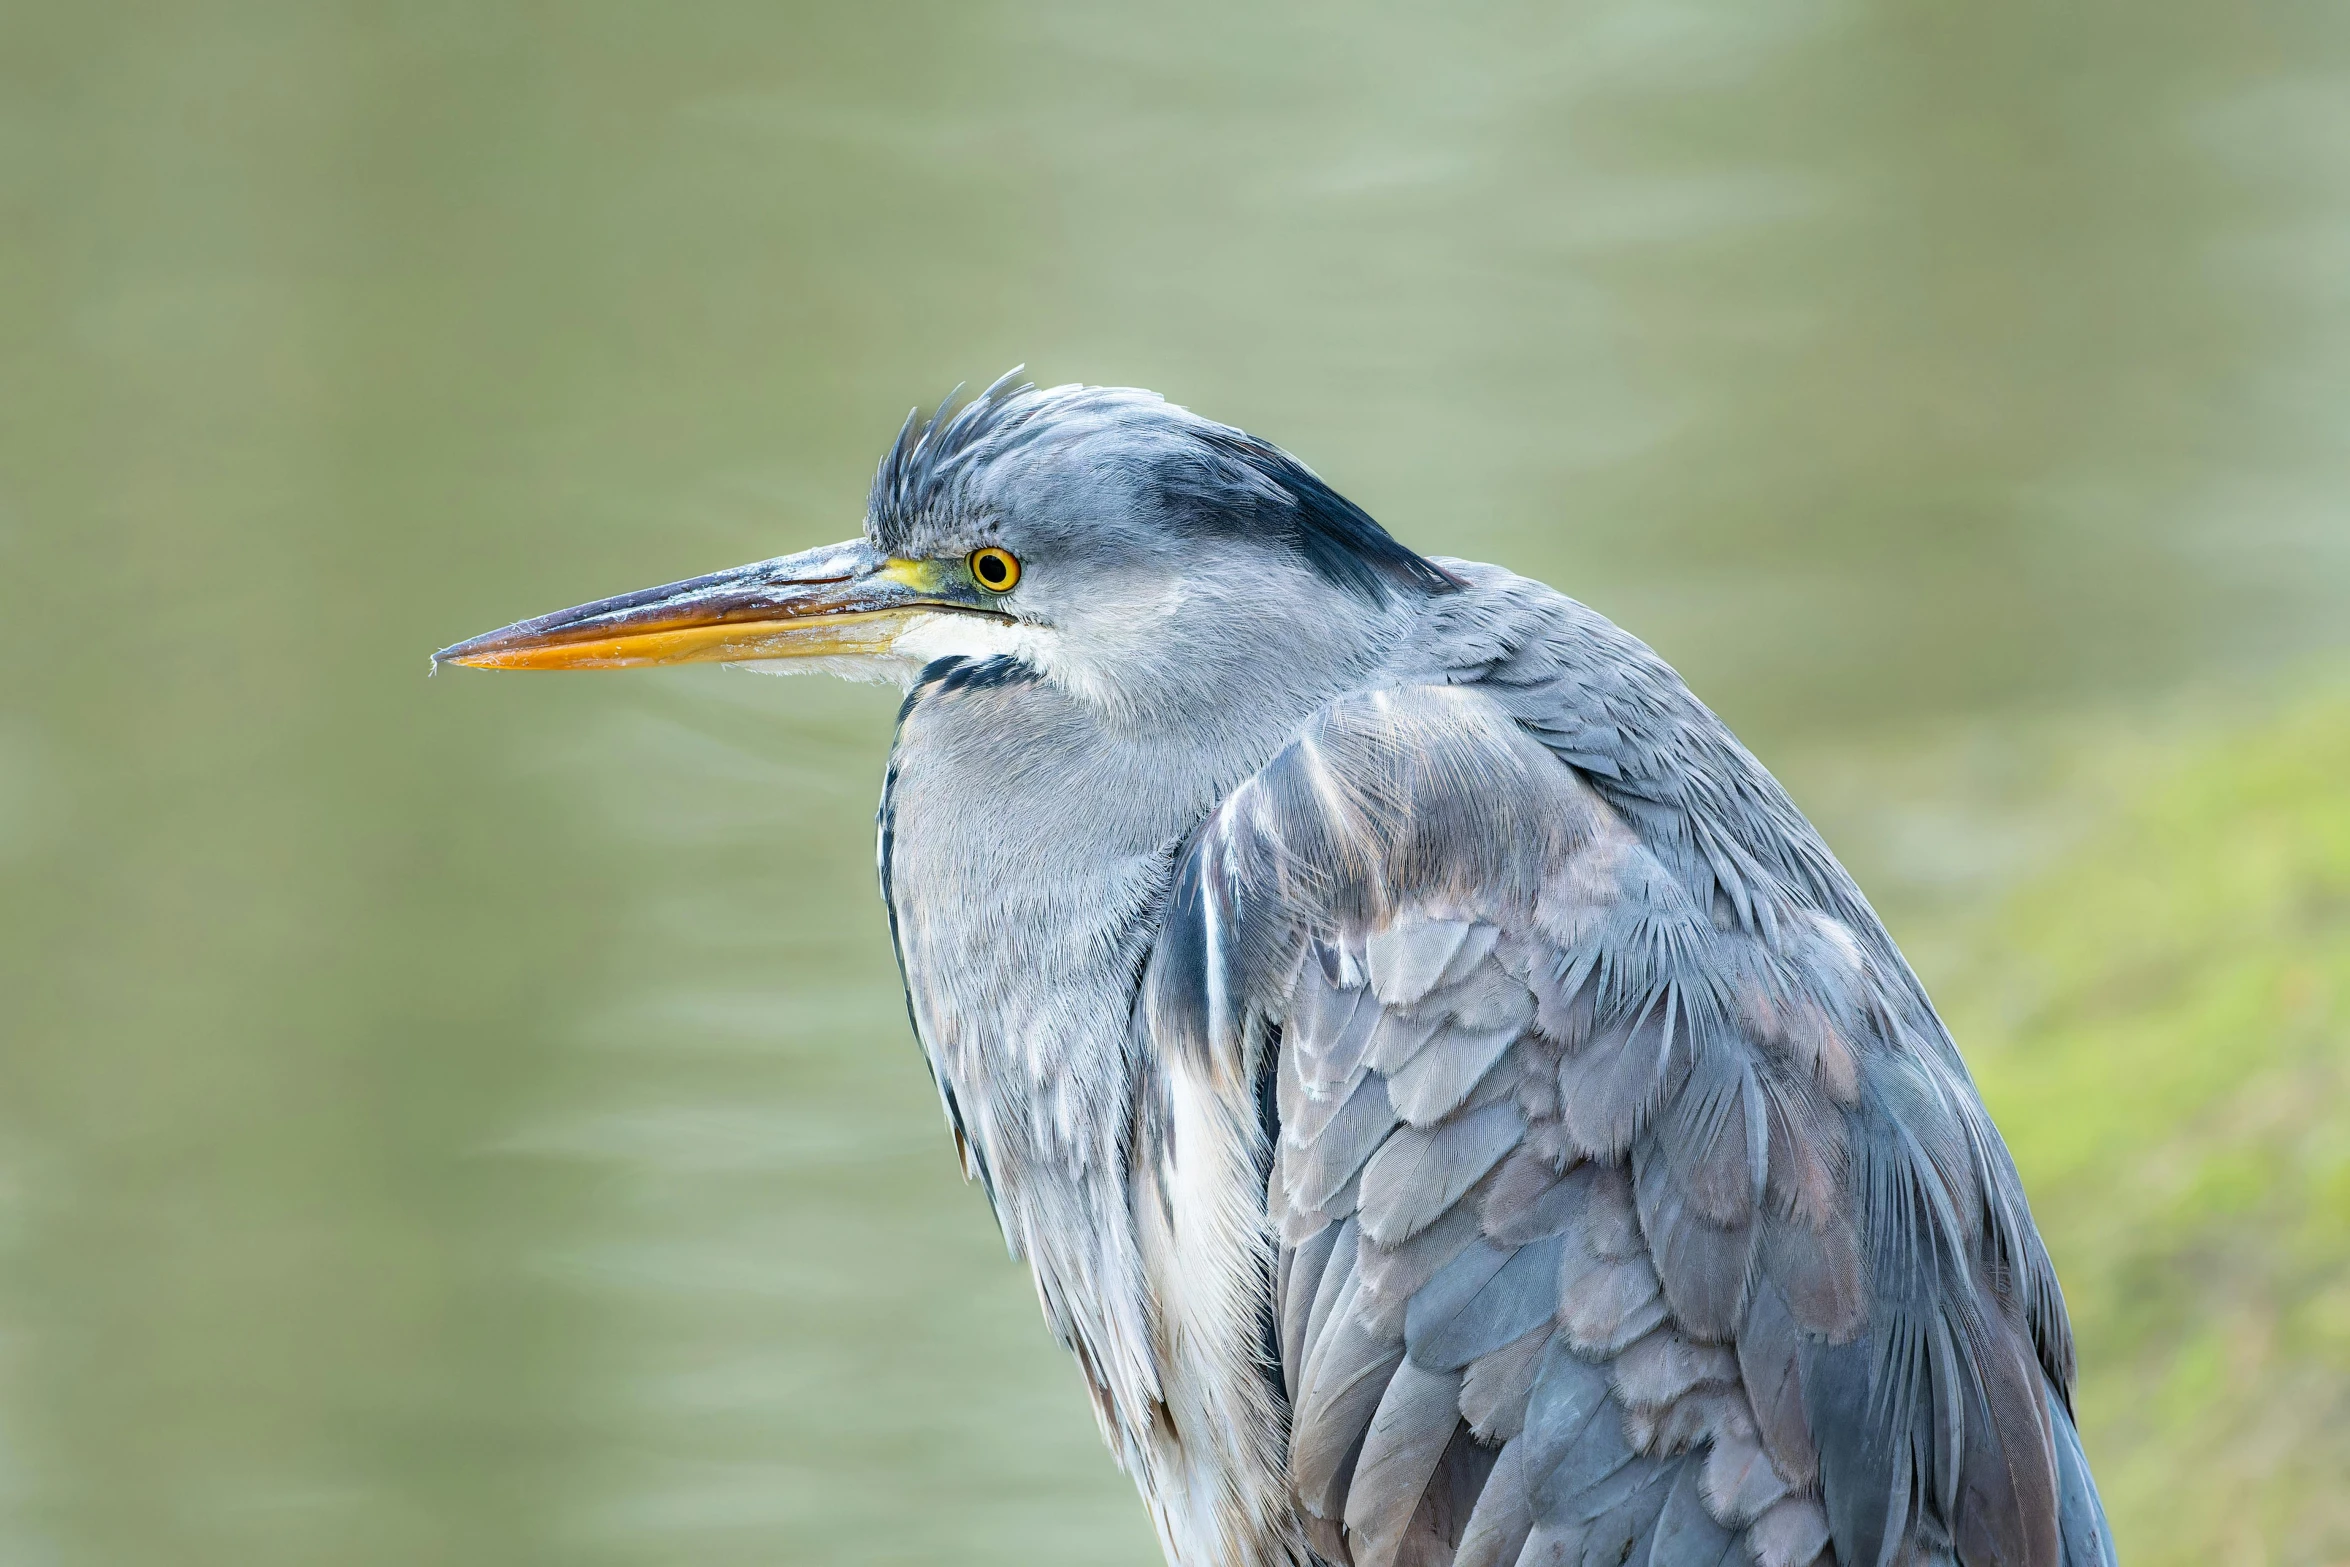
(842, 599)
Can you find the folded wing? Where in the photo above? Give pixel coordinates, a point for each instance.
(1607, 1227)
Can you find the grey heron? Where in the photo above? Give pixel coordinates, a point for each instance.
(1456, 1109)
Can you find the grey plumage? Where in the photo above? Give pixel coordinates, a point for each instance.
(1504, 1514)
(1407, 1436)
(1409, 957)
(1687, 1534)
(1419, 1173)
(1664, 1365)
(1495, 1386)
(1395, 1276)
(1440, 1077)
(1448, 1329)
(1454, 1106)
(1355, 1134)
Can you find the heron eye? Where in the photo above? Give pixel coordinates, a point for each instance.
(996, 570)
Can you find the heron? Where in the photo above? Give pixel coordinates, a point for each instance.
(1454, 1107)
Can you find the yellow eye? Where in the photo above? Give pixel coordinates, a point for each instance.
(995, 570)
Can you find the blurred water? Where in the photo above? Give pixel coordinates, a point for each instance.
(474, 1121)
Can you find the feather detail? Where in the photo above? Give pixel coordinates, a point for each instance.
(1408, 958)
(1495, 1386)
(1687, 1535)
(1526, 1201)
(1740, 1483)
(1344, 1382)
(1393, 1276)
(1768, 1364)
(1605, 1306)
(1480, 943)
(1407, 1435)
(1504, 1514)
(1792, 1533)
(1453, 1322)
(1660, 1367)
(1705, 1267)
(1608, 1089)
(1430, 1086)
(1340, 1283)
(1416, 1175)
(1318, 1169)
(1302, 1269)
(1400, 1036)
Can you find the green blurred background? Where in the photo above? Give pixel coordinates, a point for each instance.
(473, 1120)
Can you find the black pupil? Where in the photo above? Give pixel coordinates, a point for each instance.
(991, 570)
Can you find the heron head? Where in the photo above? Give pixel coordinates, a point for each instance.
(1121, 547)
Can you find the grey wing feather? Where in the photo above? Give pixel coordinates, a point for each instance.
(1408, 1434)
(1633, 1207)
(1394, 1276)
(1448, 1329)
(1436, 1081)
(1351, 1137)
(2087, 1543)
(1687, 1535)
(1495, 1385)
(1408, 957)
(1419, 1173)
(1503, 1515)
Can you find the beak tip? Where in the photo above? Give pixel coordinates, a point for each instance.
(478, 652)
